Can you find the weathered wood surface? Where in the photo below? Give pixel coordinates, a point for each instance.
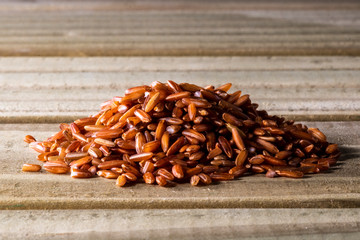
(338, 188)
(126, 43)
(179, 28)
(179, 5)
(63, 89)
(285, 224)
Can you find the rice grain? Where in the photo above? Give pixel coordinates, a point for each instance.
(183, 132)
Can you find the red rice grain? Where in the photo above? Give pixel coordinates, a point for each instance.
(27, 167)
(183, 133)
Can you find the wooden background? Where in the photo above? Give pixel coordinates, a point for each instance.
(60, 59)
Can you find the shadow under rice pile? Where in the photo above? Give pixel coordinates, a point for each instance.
(177, 133)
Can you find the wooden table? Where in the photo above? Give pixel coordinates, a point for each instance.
(61, 59)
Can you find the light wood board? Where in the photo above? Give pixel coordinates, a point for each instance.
(179, 28)
(338, 188)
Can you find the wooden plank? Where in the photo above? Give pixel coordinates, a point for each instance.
(263, 93)
(172, 5)
(141, 20)
(176, 23)
(181, 224)
(165, 20)
(338, 188)
(294, 80)
(77, 49)
(71, 42)
(169, 31)
(314, 17)
(309, 88)
(231, 17)
(125, 64)
(177, 39)
(55, 108)
(188, 31)
(303, 18)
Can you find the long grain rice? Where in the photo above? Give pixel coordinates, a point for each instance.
(183, 133)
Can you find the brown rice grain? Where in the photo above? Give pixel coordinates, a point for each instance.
(166, 174)
(29, 139)
(175, 147)
(80, 173)
(194, 180)
(161, 181)
(149, 178)
(177, 171)
(183, 132)
(141, 156)
(121, 181)
(165, 140)
(56, 167)
(108, 174)
(27, 167)
(241, 158)
(153, 101)
(110, 164)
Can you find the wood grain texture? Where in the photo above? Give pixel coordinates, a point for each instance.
(267, 224)
(322, 85)
(179, 28)
(123, 5)
(43, 190)
(156, 64)
(305, 88)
